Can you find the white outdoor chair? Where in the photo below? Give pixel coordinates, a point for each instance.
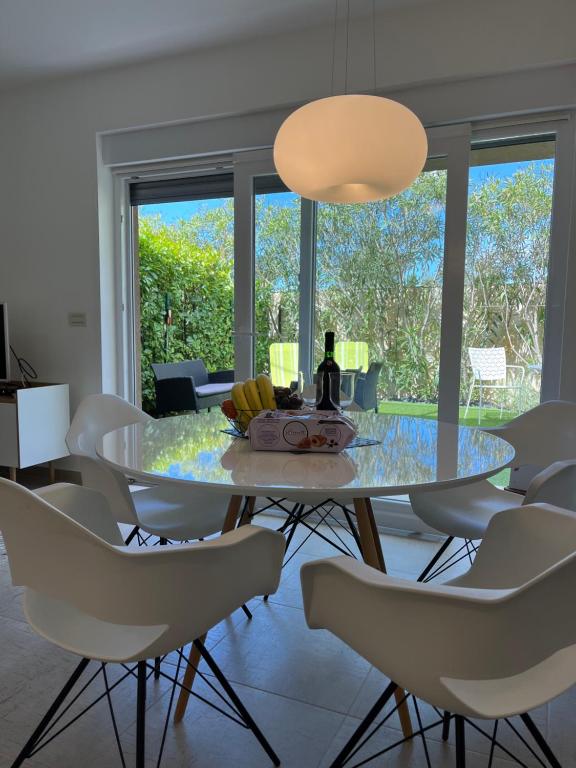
(170, 512)
(494, 643)
(88, 593)
(490, 371)
(541, 436)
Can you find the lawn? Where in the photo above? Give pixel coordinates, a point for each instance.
(489, 417)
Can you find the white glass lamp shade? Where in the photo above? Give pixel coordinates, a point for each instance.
(350, 149)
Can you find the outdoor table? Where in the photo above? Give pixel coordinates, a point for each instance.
(412, 454)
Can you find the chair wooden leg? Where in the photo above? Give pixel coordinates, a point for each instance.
(188, 680)
(230, 521)
(372, 554)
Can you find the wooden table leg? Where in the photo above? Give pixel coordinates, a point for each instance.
(13, 475)
(52, 472)
(248, 511)
(232, 514)
(373, 555)
(194, 657)
(375, 536)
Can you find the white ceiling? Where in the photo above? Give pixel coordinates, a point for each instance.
(49, 37)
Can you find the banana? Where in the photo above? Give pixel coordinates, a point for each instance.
(239, 400)
(253, 396)
(266, 390)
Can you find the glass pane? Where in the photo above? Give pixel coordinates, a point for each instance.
(509, 212)
(277, 275)
(186, 275)
(379, 287)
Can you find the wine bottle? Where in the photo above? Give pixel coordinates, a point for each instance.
(328, 386)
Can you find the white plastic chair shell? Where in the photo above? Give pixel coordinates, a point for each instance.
(497, 642)
(554, 485)
(541, 436)
(168, 511)
(91, 595)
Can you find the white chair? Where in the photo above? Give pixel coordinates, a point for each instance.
(540, 437)
(170, 512)
(89, 594)
(497, 642)
(490, 371)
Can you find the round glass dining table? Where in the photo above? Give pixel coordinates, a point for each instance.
(410, 454)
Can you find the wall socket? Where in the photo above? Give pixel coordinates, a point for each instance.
(77, 319)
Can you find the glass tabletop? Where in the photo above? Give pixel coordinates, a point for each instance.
(412, 453)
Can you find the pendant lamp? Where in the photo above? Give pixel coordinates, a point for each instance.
(352, 148)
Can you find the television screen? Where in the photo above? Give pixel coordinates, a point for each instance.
(4, 344)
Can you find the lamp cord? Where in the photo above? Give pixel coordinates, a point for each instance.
(334, 38)
(374, 42)
(334, 29)
(347, 44)
(27, 370)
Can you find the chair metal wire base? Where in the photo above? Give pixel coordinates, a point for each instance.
(299, 514)
(436, 567)
(229, 706)
(360, 738)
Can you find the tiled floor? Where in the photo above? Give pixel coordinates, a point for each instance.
(306, 690)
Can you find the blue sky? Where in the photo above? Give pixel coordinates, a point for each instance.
(173, 212)
(170, 213)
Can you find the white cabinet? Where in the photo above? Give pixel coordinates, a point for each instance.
(33, 425)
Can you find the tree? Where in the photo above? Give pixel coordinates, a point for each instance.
(507, 263)
(198, 281)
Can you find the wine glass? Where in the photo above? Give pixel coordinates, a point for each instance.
(345, 380)
(306, 391)
(301, 383)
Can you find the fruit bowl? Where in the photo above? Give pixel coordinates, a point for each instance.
(242, 420)
(251, 397)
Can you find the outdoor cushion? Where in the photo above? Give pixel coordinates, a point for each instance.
(183, 369)
(206, 390)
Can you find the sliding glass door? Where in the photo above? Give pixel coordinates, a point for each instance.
(511, 185)
(441, 291)
(379, 274)
(277, 221)
(184, 260)
(373, 273)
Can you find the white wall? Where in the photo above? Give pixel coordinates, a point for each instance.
(49, 230)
